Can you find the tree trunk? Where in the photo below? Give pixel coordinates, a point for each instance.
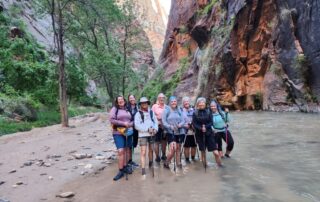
(124, 61)
(62, 76)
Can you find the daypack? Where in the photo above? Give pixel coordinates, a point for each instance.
(219, 108)
(142, 115)
(168, 111)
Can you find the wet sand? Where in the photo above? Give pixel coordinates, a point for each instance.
(276, 158)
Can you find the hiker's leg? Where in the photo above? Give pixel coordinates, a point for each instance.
(158, 138)
(143, 141)
(150, 151)
(171, 147)
(199, 139)
(121, 161)
(143, 156)
(177, 153)
(187, 153)
(213, 147)
(164, 146)
(217, 157)
(193, 152)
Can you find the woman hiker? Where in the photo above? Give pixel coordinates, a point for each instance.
(161, 137)
(202, 122)
(121, 120)
(220, 126)
(147, 125)
(173, 122)
(133, 109)
(190, 140)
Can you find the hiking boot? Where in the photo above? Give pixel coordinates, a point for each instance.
(193, 158)
(166, 165)
(119, 175)
(158, 159)
(127, 169)
(164, 157)
(188, 161)
(227, 155)
(150, 164)
(133, 164)
(143, 171)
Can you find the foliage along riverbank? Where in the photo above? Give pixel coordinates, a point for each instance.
(45, 117)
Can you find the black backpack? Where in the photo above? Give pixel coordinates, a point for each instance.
(142, 115)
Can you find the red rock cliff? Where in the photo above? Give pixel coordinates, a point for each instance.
(253, 54)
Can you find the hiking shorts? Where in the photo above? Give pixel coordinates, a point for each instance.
(120, 141)
(143, 141)
(207, 142)
(175, 138)
(190, 141)
(160, 135)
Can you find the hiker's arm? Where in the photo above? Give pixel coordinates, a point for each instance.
(195, 122)
(164, 120)
(209, 123)
(116, 122)
(140, 126)
(155, 124)
(182, 121)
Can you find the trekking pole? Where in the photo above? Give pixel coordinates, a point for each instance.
(174, 156)
(197, 146)
(182, 146)
(125, 156)
(152, 138)
(204, 153)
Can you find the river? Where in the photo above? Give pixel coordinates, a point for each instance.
(276, 158)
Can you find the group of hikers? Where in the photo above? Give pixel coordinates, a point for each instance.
(183, 129)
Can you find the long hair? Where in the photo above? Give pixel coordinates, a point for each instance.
(116, 104)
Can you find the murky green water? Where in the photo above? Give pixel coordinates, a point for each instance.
(276, 158)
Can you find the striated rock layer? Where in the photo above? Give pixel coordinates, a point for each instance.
(248, 54)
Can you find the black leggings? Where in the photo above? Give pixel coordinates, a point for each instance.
(228, 140)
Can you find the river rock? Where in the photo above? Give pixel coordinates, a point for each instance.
(12, 171)
(100, 157)
(79, 156)
(29, 163)
(19, 183)
(66, 195)
(88, 166)
(50, 178)
(2, 182)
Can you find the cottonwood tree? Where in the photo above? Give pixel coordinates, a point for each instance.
(57, 10)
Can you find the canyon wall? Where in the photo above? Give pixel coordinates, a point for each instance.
(247, 54)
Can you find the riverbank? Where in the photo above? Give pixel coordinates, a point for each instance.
(45, 117)
(35, 164)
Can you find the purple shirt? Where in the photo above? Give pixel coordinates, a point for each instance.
(123, 116)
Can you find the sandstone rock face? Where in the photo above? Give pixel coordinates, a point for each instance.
(153, 17)
(256, 54)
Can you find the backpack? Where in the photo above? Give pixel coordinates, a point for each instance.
(142, 115)
(168, 110)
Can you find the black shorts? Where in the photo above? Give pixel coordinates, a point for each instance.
(210, 141)
(161, 135)
(135, 138)
(190, 141)
(175, 138)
